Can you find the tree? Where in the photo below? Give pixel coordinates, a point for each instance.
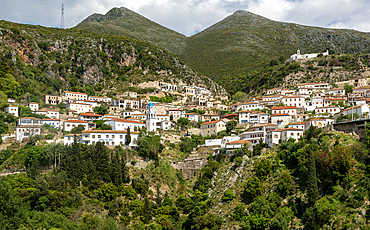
(182, 121)
(78, 129)
(348, 88)
(147, 211)
(128, 137)
(252, 189)
(312, 188)
(186, 145)
(102, 110)
(240, 96)
(149, 146)
(228, 195)
(231, 125)
(3, 100)
(10, 86)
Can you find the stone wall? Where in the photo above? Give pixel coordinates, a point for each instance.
(189, 167)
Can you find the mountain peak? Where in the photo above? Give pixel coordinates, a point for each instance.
(114, 13)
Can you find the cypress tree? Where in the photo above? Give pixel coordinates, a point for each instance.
(116, 169)
(147, 211)
(102, 164)
(124, 170)
(312, 188)
(128, 137)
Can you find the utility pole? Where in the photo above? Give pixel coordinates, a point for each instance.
(62, 25)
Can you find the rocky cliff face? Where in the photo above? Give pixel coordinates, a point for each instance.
(79, 58)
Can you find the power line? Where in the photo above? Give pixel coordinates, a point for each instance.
(62, 25)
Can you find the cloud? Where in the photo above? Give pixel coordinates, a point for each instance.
(191, 16)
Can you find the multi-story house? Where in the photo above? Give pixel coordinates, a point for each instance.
(212, 127)
(176, 113)
(54, 123)
(277, 136)
(360, 110)
(290, 110)
(296, 101)
(280, 119)
(314, 103)
(273, 91)
(337, 92)
(48, 113)
(90, 117)
(209, 117)
(257, 133)
(252, 105)
(27, 126)
(124, 104)
(276, 97)
(330, 110)
(100, 99)
(68, 125)
(309, 88)
(68, 95)
(52, 100)
(360, 92)
(192, 116)
(305, 125)
(255, 117)
(123, 124)
(79, 107)
(109, 137)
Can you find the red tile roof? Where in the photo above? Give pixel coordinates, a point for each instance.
(240, 142)
(75, 121)
(210, 122)
(91, 114)
(284, 107)
(126, 120)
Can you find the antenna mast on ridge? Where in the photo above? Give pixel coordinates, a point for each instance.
(62, 25)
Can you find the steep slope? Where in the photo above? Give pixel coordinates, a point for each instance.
(46, 60)
(124, 22)
(243, 42)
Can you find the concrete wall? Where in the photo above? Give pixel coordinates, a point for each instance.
(352, 126)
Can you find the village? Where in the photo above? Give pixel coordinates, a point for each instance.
(271, 119)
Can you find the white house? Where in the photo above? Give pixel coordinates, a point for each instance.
(290, 110)
(320, 123)
(305, 125)
(79, 107)
(54, 123)
(314, 103)
(359, 109)
(48, 113)
(209, 117)
(277, 136)
(27, 126)
(176, 113)
(231, 146)
(109, 137)
(280, 119)
(296, 101)
(33, 106)
(255, 117)
(298, 55)
(276, 97)
(273, 91)
(337, 92)
(69, 139)
(68, 125)
(286, 92)
(192, 116)
(68, 95)
(256, 133)
(11, 100)
(90, 117)
(309, 88)
(12, 109)
(331, 110)
(252, 105)
(119, 124)
(100, 99)
(212, 127)
(92, 103)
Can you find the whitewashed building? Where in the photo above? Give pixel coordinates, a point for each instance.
(330, 110)
(255, 117)
(27, 126)
(68, 95)
(256, 133)
(54, 123)
(109, 137)
(290, 110)
(48, 113)
(100, 99)
(79, 107)
(309, 88)
(33, 106)
(119, 124)
(277, 136)
(90, 117)
(359, 109)
(280, 119)
(296, 101)
(12, 109)
(192, 116)
(68, 125)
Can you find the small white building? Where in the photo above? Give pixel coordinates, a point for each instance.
(277, 136)
(12, 109)
(299, 56)
(69, 139)
(314, 103)
(252, 105)
(209, 117)
(212, 127)
(176, 113)
(255, 117)
(54, 123)
(68, 125)
(309, 88)
(68, 95)
(305, 125)
(231, 146)
(273, 91)
(122, 124)
(275, 98)
(11, 100)
(320, 122)
(192, 116)
(33, 106)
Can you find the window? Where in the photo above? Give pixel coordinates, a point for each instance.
(69, 138)
(93, 142)
(120, 136)
(99, 136)
(275, 136)
(106, 136)
(112, 143)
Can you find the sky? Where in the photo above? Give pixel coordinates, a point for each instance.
(191, 16)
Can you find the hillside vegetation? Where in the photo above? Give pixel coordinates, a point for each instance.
(234, 48)
(35, 60)
(321, 182)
